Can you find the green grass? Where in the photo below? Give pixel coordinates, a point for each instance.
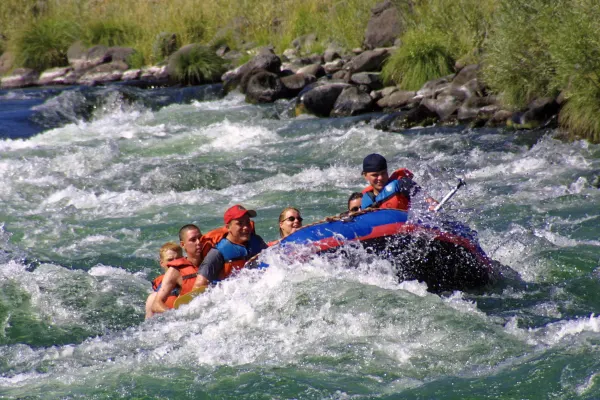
(422, 57)
(44, 44)
(197, 65)
(527, 49)
(579, 116)
(110, 33)
(518, 63)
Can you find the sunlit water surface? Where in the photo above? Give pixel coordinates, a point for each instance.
(93, 181)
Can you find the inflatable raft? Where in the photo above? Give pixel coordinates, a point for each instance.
(445, 257)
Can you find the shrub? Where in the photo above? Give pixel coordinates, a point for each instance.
(465, 23)
(580, 114)
(110, 33)
(422, 57)
(165, 44)
(195, 64)
(136, 59)
(517, 62)
(575, 50)
(44, 43)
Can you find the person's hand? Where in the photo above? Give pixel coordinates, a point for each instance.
(432, 203)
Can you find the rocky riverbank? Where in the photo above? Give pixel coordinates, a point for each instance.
(337, 82)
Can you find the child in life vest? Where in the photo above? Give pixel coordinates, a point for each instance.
(167, 253)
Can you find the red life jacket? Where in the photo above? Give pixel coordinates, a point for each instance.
(188, 274)
(397, 200)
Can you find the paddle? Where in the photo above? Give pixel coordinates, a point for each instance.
(189, 296)
(451, 193)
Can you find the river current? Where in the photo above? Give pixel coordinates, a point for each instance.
(94, 180)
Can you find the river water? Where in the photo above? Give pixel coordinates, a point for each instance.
(94, 180)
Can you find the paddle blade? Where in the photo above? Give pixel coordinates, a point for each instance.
(186, 298)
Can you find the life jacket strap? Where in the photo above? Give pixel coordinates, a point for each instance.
(190, 276)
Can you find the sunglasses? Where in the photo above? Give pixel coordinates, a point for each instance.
(292, 219)
(355, 209)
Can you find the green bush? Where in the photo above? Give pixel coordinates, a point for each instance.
(580, 114)
(110, 33)
(465, 23)
(136, 60)
(196, 64)
(575, 50)
(518, 63)
(164, 45)
(422, 57)
(44, 43)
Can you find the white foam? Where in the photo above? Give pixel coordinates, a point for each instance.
(555, 333)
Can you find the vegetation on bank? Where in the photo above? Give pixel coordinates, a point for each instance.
(526, 49)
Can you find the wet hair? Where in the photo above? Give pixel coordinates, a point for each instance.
(186, 228)
(354, 196)
(282, 217)
(170, 246)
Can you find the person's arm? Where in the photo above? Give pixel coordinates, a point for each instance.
(170, 281)
(263, 244)
(210, 268)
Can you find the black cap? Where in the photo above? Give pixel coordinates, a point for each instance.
(374, 163)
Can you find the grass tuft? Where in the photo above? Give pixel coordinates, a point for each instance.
(422, 57)
(110, 33)
(196, 64)
(579, 116)
(44, 44)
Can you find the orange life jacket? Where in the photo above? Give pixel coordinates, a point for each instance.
(188, 275)
(397, 200)
(156, 282)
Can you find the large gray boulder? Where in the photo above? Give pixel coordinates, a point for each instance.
(399, 121)
(264, 87)
(53, 76)
(296, 82)
(352, 101)
(320, 100)
(384, 27)
(264, 60)
(122, 54)
(95, 56)
(77, 56)
(444, 106)
(370, 60)
(539, 112)
(396, 99)
(316, 70)
(372, 80)
(20, 77)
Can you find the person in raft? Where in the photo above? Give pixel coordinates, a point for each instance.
(388, 191)
(237, 245)
(168, 252)
(289, 221)
(354, 202)
(182, 271)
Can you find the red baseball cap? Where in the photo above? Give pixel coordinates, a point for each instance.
(237, 212)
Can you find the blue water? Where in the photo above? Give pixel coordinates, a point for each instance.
(94, 180)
